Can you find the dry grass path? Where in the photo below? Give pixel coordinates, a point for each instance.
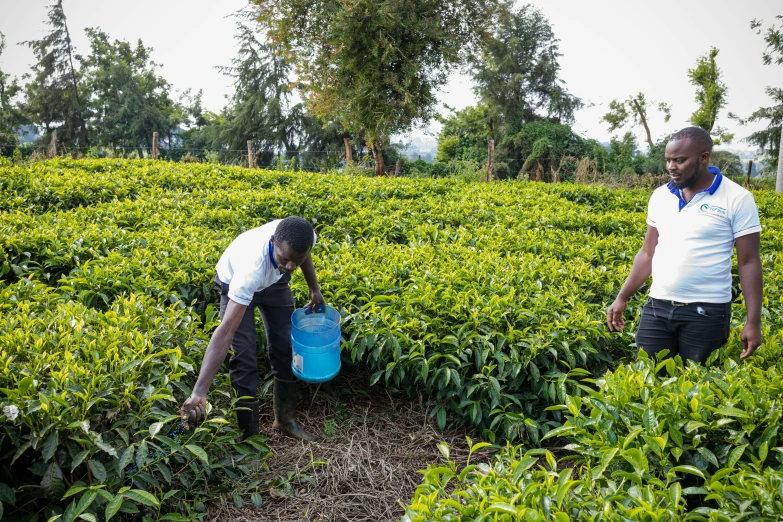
(364, 469)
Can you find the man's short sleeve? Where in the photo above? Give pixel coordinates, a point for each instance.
(242, 287)
(652, 211)
(745, 218)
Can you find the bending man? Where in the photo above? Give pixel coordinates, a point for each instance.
(254, 272)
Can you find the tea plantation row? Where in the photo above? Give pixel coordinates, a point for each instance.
(488, 299)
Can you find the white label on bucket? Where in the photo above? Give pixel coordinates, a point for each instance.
(298, 363)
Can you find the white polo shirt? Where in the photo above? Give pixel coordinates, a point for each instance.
(692, 262)
(248, 264)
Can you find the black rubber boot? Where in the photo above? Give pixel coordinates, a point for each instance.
(247, 419)
(285, 397)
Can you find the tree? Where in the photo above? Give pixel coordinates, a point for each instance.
(375, 65)
(129, 100)
(710, 95)
(260, 109)
(10, 113)
(465, 135)
(517, 82)
(517, 76)
(53, 100)
(632, 112)
(769, 139)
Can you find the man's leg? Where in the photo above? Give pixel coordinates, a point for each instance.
(243, 365)
(655, 332)
(703, 328)
(276, 307)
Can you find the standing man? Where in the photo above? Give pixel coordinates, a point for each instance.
(694, 223)
(254, 271)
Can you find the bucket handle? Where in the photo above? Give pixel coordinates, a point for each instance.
(319, 309)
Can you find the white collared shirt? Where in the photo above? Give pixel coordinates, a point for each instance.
(692, 262)
(247, 266)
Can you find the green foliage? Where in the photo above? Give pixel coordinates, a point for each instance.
(728, 163)
(768, 140)
(679, 417)
(465, 135)
(774, 40)
(710, 95)
(129, 100)
(517, 77)
(652, 441)
(260, 109)
(54, 99)
(374, 66)
(632, 112)
(10, 114)
(88, 400)
(486, 299)
(540, 147)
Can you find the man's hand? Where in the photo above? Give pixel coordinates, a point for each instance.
(614, 315)
(751, 339)
(193, 411)
(316, 298)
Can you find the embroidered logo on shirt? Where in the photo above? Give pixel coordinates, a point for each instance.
(713, 209)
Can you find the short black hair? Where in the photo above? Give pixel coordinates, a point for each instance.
(297, 232)
(697, 135)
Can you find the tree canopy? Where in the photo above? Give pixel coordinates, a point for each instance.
(53, 97)
(768, 139)
(517, 77)
(129, 100)
(375, 65)
(10, 112)
(633, 111)
(711, 94)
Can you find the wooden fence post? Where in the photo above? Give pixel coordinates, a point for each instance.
(750, 168)
(52, 152)
(491, 160)
(348, 150)
(155, 145)
(251, 159)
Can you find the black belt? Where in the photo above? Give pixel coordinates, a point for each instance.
(669, 301)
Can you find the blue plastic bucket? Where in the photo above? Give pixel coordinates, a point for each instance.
(315, 340)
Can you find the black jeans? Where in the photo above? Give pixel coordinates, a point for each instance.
(692, 331)
(276, 304)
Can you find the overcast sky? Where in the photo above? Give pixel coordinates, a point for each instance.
(611, 49)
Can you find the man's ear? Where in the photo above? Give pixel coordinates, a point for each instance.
(705, 157)
(272, 240)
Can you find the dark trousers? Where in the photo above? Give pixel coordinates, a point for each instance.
(692, 331)
(276, 304)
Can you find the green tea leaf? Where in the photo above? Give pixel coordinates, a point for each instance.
(143, 497)
(199, 453)
(113, 506)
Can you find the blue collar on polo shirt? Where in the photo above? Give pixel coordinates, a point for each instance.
(272, 254)
(710, 190)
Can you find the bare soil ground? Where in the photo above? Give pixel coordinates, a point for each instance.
(366, 466)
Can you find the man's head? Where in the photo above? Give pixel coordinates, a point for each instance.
(293, 240)
(688, 156)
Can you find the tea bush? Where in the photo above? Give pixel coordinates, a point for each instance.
(488, 299)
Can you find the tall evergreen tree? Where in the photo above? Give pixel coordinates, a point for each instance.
(54, 100)
(517, 77)
(261, 109)
(10, 113)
